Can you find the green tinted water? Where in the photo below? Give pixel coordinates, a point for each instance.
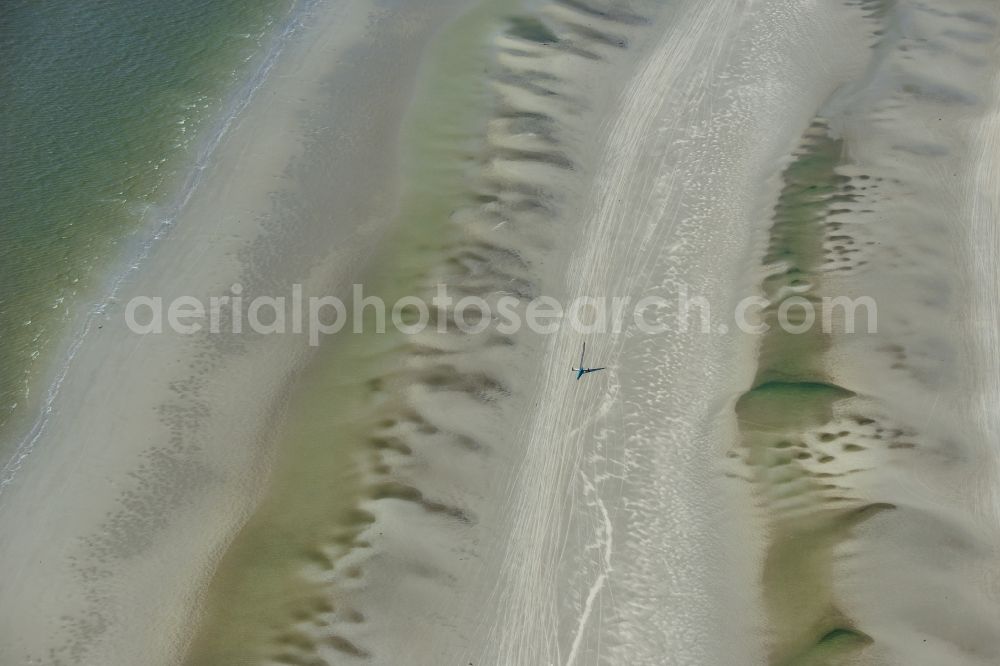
(105, 105)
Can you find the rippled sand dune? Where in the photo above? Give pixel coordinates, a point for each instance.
(715, 496)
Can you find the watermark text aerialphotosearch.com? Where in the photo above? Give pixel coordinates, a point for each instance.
(318, 316)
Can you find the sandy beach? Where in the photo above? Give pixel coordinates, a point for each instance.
(151, 460)
(710, 495)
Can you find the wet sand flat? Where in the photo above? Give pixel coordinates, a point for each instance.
(713, 496)
(155, 452)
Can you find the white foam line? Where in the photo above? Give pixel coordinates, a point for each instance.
(598, 584)
(240, 101)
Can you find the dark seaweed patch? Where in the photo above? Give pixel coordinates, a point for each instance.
(531, 29)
